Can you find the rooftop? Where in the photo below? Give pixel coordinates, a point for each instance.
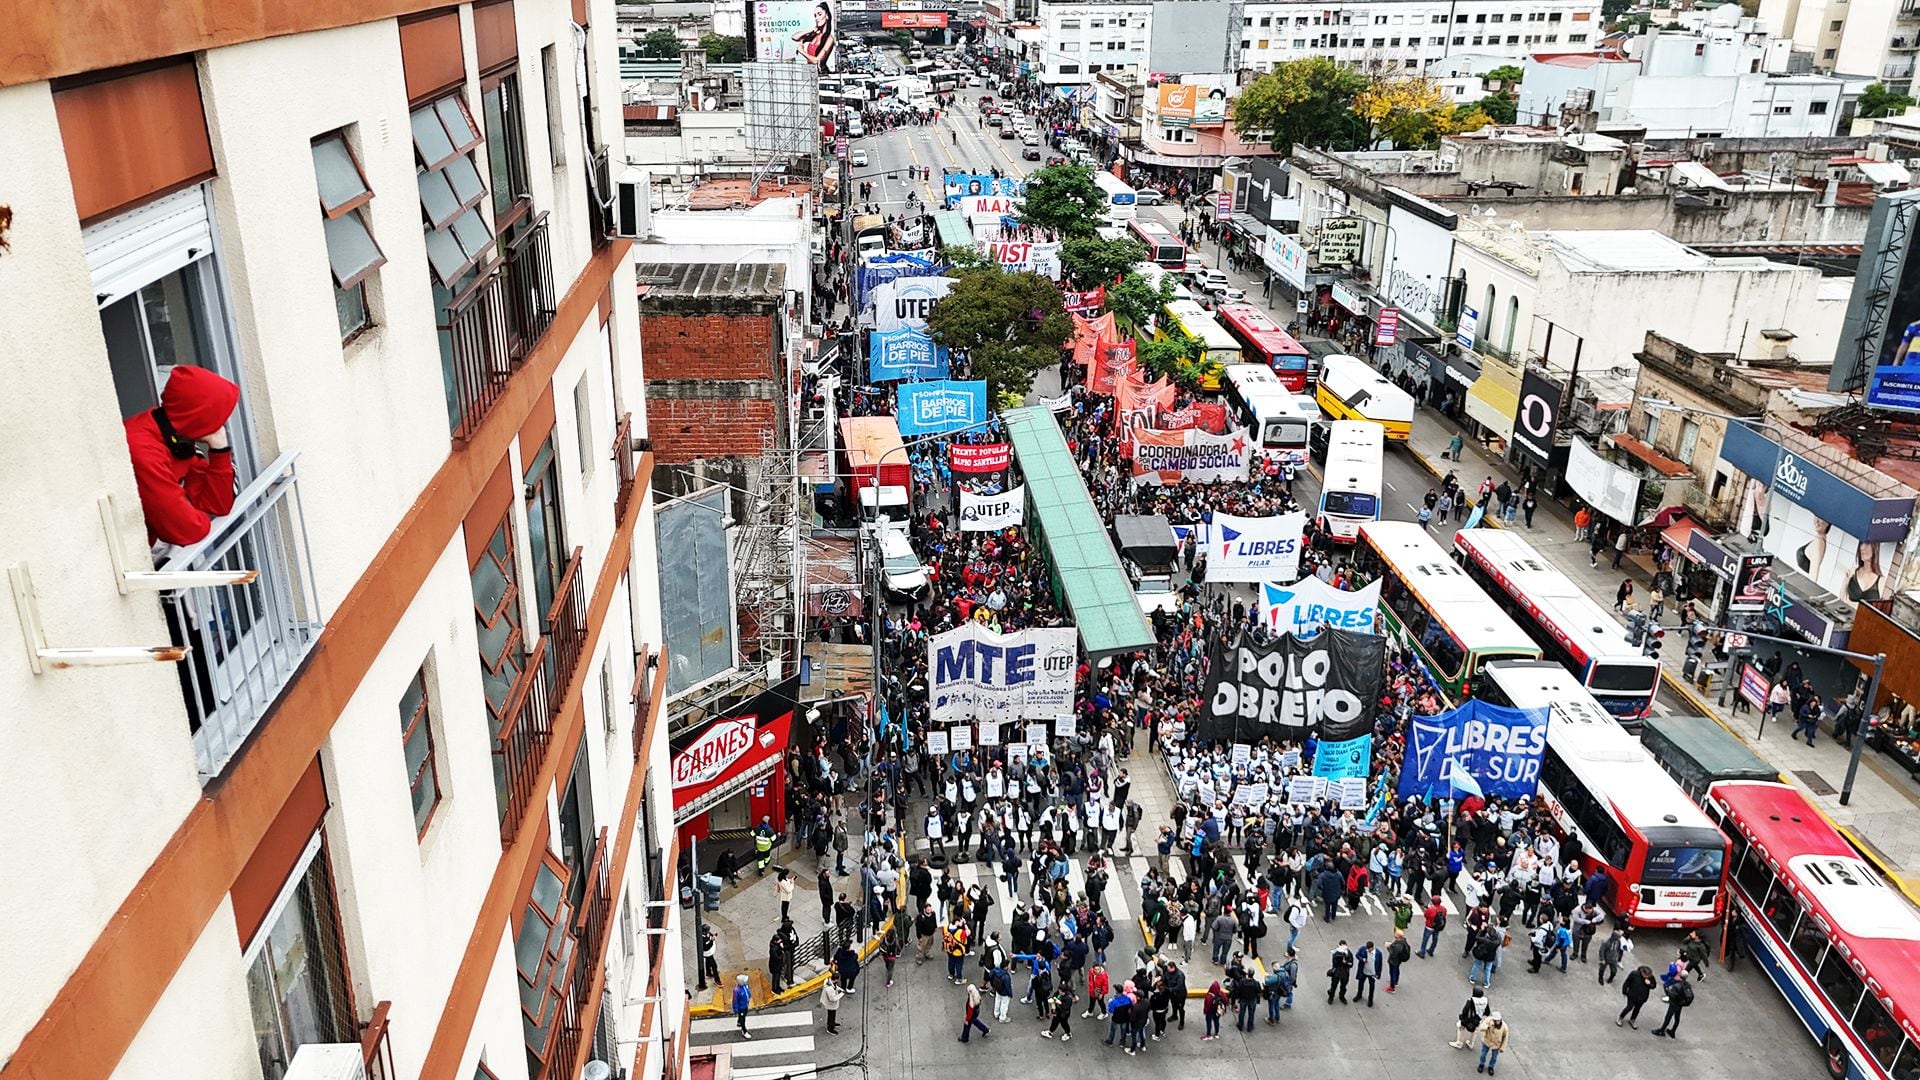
(735, 193)
(1603, 251)
(736, 280)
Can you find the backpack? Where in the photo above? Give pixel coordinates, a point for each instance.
(1486, 948)
(1470, 1014)
(1440, 922)
(1681, 992)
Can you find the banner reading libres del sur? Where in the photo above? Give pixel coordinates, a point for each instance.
(976, 674)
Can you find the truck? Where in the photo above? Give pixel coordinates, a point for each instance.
(869, 234)
(1151, 555)
(878, 476)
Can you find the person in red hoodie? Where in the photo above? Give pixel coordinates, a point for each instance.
(181, 488)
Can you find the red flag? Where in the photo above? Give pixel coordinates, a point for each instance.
(1087, 334)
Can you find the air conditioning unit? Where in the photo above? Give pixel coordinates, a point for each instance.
(328, 1061)
(632, 204)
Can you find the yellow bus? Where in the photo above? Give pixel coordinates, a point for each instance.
(1219, 347)
(1351, 390)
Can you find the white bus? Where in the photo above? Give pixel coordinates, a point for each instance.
(1665, 858)
(1430, 605)
(1350, 483)
(1120, 197)
(1350, 389)
(1260, 402)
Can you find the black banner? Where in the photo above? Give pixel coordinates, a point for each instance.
(1537, 418)
(1329, 686)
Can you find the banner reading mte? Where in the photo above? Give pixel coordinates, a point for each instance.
(934, 408)
(1254, 549)
(1289, 688)
(1500, 748)
(976, 674)
(1192, 455)
(1309, 605)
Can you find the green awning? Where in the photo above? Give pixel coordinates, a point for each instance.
(1062, 519)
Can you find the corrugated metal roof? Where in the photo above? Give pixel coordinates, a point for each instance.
(744, 280)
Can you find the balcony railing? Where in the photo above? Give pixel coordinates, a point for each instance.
(491, 326)
(626, 466)
(590, 943)
(566, 627)
(643, 676)
(522, 744)
(244, 641)
(376, 1055)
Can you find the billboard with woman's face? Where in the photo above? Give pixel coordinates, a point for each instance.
(796, 30)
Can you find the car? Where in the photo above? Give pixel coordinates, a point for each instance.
(1030, 153)
(1227, 294)
(1009, 133)
(1148, 197)
(995, 120)
(900, 568)
(1209, 281)
(1029, 138)
(858, 157)
(1055, 159)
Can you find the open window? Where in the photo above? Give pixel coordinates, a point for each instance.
(352, 253)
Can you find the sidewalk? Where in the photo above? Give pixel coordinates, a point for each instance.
(1878, 818)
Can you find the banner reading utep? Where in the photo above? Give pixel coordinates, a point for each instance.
(980, 457)
(1499, 747)
(1255, 549)
(1309, 605)
(976, 674)
(1165, 458)
(991, 513)
(1084, 303)
(1290, 688)
(934, 408)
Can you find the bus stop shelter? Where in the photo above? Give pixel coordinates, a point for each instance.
(1088, 579)
(1697, 751)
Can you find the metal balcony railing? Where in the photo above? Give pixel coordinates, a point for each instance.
(530, 296)
(522, 744)
(589, 946)
(376, 1054)
(566, 627)
(493, 324)
(626, 466)
(246, 640)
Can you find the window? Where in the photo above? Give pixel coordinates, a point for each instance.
(1837, 980)
(1877, 1030)
(450, 188)
(297, 983)
(1070, 46)
(1609, 840)
(1266, 20)
(1700, 49)
(543, 954)
(1689, 438)
(1827, 54)
(1497, 17)
(506, 152)
(1068, 69)
(1409, 62)
(1783, 110)
(1461, 39)
(1263, 43)
(1576, 39)
(1754, 876)
(1808, 942)
(583, 425)
(496, 616)
(1836, 24)
(545, 536)
(416, 743)
(1379, 20)
(1653, 428)
(352, 253)
(1395, 42)
(1512, 39)
(1816, 108)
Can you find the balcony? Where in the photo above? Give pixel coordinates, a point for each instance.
(245, 641)
(590, 924)
(646, 662)
(626, 464)
(376, 1055)
(521, 747)
(492, 326)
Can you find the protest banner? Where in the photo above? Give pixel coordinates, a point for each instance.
(979, 457)
(1255, 549)
(1499, 748)
(975, 673)
(1289, 688)
(991, 513)
(1165, 458)
(1308, 605)
(1344, 759)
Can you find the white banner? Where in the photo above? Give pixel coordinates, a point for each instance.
(976, 674)
(1605, 486)
(1063, 403)
(1303, 607)
(905, 302)
(991, 513)
(1165, 458)
(1255, 549)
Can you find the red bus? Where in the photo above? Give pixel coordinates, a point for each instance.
(1163, 247)
(1840, 943)
(1262, 341)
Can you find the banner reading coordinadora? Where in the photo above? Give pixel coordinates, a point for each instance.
(1329, 686)
(1309, 604)
(991, 513)
(1254, 549)
(976, 674)
(1165, 458)
(1498, 747)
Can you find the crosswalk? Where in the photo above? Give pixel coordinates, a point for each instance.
(782, 1044)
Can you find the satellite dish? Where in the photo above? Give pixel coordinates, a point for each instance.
(597, 1070)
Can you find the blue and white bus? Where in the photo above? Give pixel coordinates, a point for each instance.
(1350, 483)
(1121, 200)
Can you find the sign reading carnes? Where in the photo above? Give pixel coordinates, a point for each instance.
(716, 761)
(719, 746)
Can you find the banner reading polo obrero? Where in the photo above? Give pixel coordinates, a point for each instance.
(1329, 687)
(976, 674)
(904, 354)
(1165, 458)
(935, 408)
(1309, 605)
(991, 513)
(1255, 549)
(1489, 747)
(1084, 303)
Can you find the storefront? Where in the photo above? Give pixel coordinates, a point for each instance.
(1889, 631)
(1494, 397)
(726, 773)
(1452, 379)
(1749, 590)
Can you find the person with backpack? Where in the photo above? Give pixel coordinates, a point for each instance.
(1435, 917)
(1274, 990)
(1000, 981)
(1486, 953)
(1211, 1007)
(1398, 951)
(954, 940)
(970, 1011)
(1296, 920)
(1679, 996)
(1472, 1014)
(1637, 989)
(1339, 971)
(1061, 1004)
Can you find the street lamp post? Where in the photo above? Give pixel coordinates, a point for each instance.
(1859, 740)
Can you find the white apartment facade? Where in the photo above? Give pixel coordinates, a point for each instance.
(1076, 42)
(365, 763)
(1877, 39)
(1407, 35)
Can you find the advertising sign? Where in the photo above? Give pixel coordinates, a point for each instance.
(1879, 348)
(1284, 256)
(1386, 327)
(1255, 549)
(906, 302)
(835, 599)
(1754, 686)
(991, 513)
(1165, 458)
(1752, 583)
(730, 751)
(979, 457)
(904, 354)
(1605, 486)
(934, 408)
(959, 185)
(1537, 417)
(1340, 240)
(1500, 748)
(1183, 105)
(798, 30)
(1806, 483)
(976, 674)
(912, 20)
(1469, 326)
(1309, 605)
(1084, 303)
(1288, 688)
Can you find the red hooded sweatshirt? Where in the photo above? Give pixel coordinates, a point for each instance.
(181, 492)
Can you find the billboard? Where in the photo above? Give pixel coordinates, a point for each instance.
(1879, 351)
(913, 20)
(974, 673)
(796, 31)
(731, 751)
(1284, 256)
(959, 185)
(1538, 416)
(1339, 240)
(1184, 105)
(696, 589)
(1606, 487)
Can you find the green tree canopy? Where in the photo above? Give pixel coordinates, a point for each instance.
(724, 48)
(660, 45)
(1088, 261)
(1064, 200)
(1178, 358)
(1499, 108)
(1878, 101)
(1307, 101)
(1506, 75)
(1135, 302)
(1010, 325)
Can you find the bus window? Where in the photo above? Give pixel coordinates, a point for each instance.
(1839, 983)
(1354, 503)
(1781, 908)
(1877, 1030)
(1755, 876)
(1809, 941)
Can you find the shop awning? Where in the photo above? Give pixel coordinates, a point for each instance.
(1651, 458)
(1492, 404)
(1679, 537)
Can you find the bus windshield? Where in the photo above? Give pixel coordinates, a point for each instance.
(1354, 503)
(1625, 678)
(1284, 433)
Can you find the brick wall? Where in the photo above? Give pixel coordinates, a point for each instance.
(722, 427)
(708, 345)
(710, 383)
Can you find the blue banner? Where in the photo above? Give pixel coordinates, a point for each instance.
(934, 408)
(878, 269)
(959, 185)
(904, 354)
(1497, 747)
(1344, 760)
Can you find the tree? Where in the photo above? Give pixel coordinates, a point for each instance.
(660, 45)
(1089, 261)
(903, 40)
(1878, 101)
(1499, 108)
(1611, 10)
(1307, 101)
(1400, 109)
(1064, 200)
(1010, 325)
(724, 48)
(1506, 75)
(1135, 302)
(1178, 358)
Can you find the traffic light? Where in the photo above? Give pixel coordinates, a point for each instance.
(1696, 640)
(1656, 637)
(1636, 626)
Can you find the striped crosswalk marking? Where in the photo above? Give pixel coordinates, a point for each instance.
(768, 1047)
(803, 1071)
(721, 1025)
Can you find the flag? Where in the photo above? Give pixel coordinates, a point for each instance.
(1462, 780)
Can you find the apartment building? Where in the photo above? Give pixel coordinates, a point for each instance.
(330, 543)
(1877, 39)
(1406, 35)
(1076, 42)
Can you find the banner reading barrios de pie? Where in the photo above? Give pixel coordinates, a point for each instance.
(976, 674)
(1168, 457)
